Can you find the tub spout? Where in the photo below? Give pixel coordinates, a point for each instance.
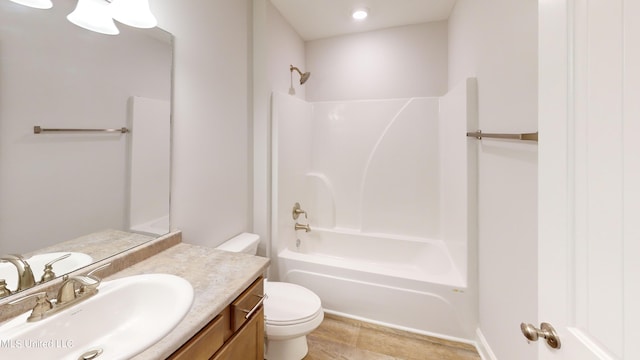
(306, 227)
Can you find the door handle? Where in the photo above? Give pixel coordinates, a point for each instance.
(546, 331)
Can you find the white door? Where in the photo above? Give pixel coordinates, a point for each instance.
(589, 177)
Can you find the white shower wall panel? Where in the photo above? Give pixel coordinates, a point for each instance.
(344, 135)
(458, 112)
(378, 162)
(291, 157)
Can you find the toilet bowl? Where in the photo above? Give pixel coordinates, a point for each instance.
(291, 311)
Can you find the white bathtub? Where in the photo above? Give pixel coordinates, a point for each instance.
(402, 282)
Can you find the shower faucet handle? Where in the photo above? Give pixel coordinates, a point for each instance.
(297, 210)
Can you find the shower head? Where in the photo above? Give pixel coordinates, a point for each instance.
(303, 76)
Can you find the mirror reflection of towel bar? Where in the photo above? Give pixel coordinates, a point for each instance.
(526, 136)
(40, 130)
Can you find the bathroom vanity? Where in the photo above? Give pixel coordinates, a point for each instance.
(226, 317)
(226, 320)
(237, 333)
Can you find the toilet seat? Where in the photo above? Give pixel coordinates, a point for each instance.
(290, 304)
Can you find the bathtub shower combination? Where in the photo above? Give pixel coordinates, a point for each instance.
(392, 237)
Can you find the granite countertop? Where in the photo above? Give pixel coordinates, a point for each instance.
(217, 277)
(99, 245)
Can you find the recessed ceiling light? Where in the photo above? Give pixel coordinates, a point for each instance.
(360, 14)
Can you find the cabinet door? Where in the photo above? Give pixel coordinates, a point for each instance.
(205, 342)
(248, 342)
(243, 304)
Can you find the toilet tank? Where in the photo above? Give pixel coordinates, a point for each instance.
(246, 243)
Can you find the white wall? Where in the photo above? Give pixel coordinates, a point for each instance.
(399, 62)
(211, 185)
(285, 48)
(496, 41)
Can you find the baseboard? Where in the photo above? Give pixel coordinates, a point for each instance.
(483, 347)
(470, 343)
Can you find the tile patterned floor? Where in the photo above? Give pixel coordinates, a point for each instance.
(346, 339)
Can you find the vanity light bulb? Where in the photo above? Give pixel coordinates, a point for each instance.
(38, 4)
(94, 15)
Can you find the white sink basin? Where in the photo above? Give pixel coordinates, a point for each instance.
(126, 316)
(37, 262)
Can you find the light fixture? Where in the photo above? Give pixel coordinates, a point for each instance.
(38, 4)
(94, 15)
(98, 15)
(134, 13)
(360, 14)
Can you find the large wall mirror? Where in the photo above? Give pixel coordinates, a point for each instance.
(81, 186)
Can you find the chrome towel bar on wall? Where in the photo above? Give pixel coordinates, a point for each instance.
(525, 136)
(40, 130)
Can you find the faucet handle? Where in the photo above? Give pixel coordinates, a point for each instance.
(50, 263)
(88, 285)
(101, 267)
(48, 268)
(297, 210)
(3, 289)
(67, 292)
(42, 305)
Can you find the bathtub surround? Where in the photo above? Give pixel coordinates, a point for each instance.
(371, 166)
(392, 221)
(150, 149)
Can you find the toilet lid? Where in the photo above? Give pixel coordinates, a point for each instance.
(289, 303)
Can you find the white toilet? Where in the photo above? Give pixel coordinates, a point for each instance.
(291, 311)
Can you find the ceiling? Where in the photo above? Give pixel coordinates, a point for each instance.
(315, 19)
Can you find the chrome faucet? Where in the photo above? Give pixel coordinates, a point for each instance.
(25, 275)
(304, 227)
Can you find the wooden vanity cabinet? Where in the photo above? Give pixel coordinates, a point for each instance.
(230, 335)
